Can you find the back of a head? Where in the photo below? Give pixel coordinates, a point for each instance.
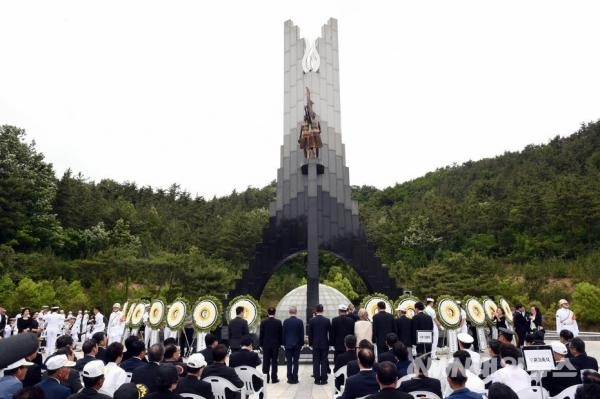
(400, 351)
(577, 344)
(456, 372)
(246, 340)
(129, 340)
(350, 341)
(219, 353)
(114, 351)
(170, 350)
(136, 348)
(64, 340)
(366, 344)
(239, 310)
(421, 364)
(494, 346)
(463, 357)
(156, 353)
(391, 339)
(88, 346)
(381, 305)
(588, 391)
(167, 376)
(271, 311)
(509, 354)
(99, 336)
(419, 306)
(499, 390)
(34, 392)
(567, 335)
(319, 308)
(366, 358)
(209, 339)
(387, 373)
(169, 341)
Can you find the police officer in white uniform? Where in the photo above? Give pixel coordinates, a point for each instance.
(565, 318)
(54, 324)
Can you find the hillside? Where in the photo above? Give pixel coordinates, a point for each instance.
(524, 225)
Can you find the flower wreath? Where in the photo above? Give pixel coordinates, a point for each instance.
(476, 313)
(448, 312)
(505, 305)
(177, 313)
(251, 307)
(370, 304)
(409, 301)
(137, 315)
(490, 308)
(157, 314)
(206, 314)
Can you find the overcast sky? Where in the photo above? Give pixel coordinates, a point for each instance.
(191, 92)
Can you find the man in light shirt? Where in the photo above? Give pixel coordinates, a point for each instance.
(116, 325)
(565, 318)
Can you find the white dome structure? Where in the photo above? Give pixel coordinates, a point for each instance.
(329, 297)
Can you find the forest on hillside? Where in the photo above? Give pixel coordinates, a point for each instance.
(524, 225)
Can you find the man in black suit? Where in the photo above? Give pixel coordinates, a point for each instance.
(319, 328)
(138, 352)
(271, 331)
(247, 357)
(341, 326)
(388, 355)
(211, 342)
(192, 382)
(101, 340)
(386, 378)
(564, 374)
(89, 348)
(220, 369)
(343, 359)
(363, 383)
(352, 366)
(238, 327)
(580, 358)
(421, 322)
(383, 324)
(403, 326)
(422, 382)
(148, 373)
(293, 339)
(521, 324)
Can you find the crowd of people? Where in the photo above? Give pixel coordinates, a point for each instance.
(383, 356)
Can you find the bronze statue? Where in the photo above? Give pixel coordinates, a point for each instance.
(310, 130)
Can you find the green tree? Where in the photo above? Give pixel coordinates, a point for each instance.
(586, 303)
(336, 279)
(27, 190)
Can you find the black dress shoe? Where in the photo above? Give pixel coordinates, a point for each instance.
(274, 381)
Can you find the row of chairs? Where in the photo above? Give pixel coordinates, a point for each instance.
(528, 393)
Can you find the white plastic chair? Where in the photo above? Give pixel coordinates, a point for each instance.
(246, 373)
(191, 396)
(339, 372)
(424, 395)
(567, 393)
(219, 385)
(532, 393)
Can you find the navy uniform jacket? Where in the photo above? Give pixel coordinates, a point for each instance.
(132, 363)
(53, 389)
(390, 393)
(293, 333)
(403, 328)
(319, 328)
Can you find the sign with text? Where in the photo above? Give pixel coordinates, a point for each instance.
(538, 358)
(424, 337)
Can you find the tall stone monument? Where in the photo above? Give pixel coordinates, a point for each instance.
(313, 210)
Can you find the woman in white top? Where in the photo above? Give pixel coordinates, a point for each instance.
(363, 328)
